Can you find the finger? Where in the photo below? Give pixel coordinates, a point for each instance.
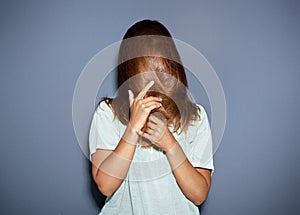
(131, 97)
(147, 136)
(140, 132)
(144, 91)
(149, 130)
(155, 119)
(148, 104)
(151, 125)
(152, 137)
(158, 117)
(151, 107)
(152, 98)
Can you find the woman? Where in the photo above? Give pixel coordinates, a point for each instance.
(151, 145)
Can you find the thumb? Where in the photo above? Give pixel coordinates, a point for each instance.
(131, 97)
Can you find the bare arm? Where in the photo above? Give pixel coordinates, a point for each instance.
(110, 168)
(193, 182)
(107, 177)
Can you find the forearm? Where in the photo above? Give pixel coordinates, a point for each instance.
(191, 182)
(113, 169)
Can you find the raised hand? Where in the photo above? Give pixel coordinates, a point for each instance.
(140, 108)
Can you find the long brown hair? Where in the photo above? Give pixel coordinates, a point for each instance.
(148, 52)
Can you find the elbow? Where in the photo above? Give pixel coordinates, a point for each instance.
(102, 186)
(199, 199)
(105, 191)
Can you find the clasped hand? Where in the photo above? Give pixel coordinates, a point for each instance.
(140, 115)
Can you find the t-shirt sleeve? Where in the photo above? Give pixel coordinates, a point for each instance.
(201, 140)
(103, 132)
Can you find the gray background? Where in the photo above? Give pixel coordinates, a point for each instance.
(253, 46)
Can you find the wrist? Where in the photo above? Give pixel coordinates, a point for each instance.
(130, 135)
(176, 156)
(169, 146)
(168, 141)
(135, 128)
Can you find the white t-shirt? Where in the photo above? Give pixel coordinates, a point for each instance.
(150, 187)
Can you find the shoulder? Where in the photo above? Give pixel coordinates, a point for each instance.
(202, 115)
(200, 123)
(104, 119)
(104, 110)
